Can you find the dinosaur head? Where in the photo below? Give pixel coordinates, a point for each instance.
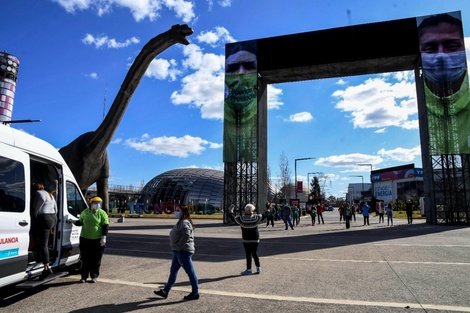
(180, 32)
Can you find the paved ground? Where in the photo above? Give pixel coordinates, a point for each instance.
(326, 268)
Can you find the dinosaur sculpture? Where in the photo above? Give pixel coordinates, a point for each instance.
(86, 155)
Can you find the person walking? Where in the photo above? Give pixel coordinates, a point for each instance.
(320, 209)
(409, 210)
(353, 212)
(45, 218)
(313, 214)
(390, 214)
(270, 214)
(286, 215)
(249, 225)
(347, 214)
(381, 212)
(295, 215)
(365, 213)
(95, 226)
(182, 245)
(341, 212)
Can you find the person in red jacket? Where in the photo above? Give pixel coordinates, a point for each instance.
(341, 212)
(320, 210)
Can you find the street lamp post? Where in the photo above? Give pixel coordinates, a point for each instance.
(367, 164)
(370, 176)
(350, 196)
(295, 169)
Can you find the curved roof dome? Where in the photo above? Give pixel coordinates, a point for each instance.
(186, 186)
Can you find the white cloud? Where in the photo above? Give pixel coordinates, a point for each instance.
(173, 146)
(274, 97)
(301, 117)
(215, 37)
(401, 154)
(381, 131)
(102, 40)
(163, 69)
(93, 75)
(140, 9)
(467, 48)
(348, 160)
(183, 9)
(203, 86)
(225, 3)
(379, 103)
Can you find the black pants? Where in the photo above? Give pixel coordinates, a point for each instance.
(270, 219)
(251, 249)
(91, 253)
(44, 224)
(320, 215)
(409, 215)
(366, 220)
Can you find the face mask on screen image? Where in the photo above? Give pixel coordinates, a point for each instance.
(444, 67)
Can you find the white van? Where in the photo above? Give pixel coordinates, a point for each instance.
(24, 160)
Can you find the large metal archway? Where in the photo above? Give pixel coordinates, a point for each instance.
(382, 47)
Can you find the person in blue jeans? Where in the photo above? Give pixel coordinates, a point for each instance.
(182, 244)
(390, 213)
(286, 215)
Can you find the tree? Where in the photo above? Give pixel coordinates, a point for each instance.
(315, 191)
(285, 187)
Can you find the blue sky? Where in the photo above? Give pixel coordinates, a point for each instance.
(74, 55)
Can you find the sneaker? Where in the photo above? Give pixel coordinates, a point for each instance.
(83, 280)
(93, 280)
(258, 269)
(160, 293)
(191, 296)
(247, 272)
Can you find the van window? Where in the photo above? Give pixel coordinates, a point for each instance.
(75, 202)
(12, 186)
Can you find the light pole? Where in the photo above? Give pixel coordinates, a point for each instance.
(350, 196)
(295, 169)
(367, 164)
(362, 177)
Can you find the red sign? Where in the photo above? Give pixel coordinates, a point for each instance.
(299, 186)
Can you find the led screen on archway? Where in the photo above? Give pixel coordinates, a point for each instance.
(441, 43)
(240, 105)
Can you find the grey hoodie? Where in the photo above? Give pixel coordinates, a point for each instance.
(182, 237)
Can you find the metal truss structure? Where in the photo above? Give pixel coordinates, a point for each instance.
(240, 185)
(451, 188)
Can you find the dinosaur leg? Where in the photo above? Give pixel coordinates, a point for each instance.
(102, 190)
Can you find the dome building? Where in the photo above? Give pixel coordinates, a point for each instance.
(203, 189)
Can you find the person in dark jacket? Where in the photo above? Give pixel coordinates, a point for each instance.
(409, 210)
(286, 215)
(250, 235)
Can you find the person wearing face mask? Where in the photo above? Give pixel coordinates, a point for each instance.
(447, 92)
(95, 225)
(240, 107)
(45, 218)
(182, 245)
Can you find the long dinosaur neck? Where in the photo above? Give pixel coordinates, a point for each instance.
(155, 46)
